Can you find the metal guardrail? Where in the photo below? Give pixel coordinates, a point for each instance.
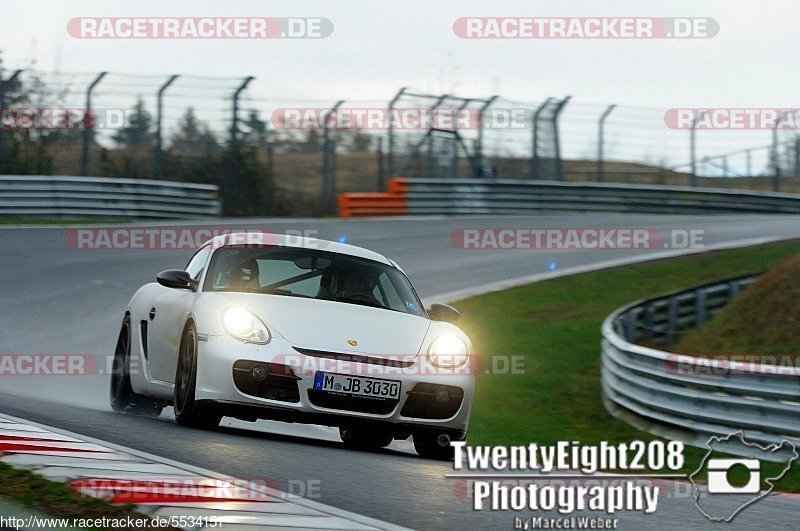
(483, 196)
(479, 196)
(63, 197)
(690, 398)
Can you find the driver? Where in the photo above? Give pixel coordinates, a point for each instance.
(348, 280)
(244, 275)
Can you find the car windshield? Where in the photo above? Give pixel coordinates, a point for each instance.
(314, 274)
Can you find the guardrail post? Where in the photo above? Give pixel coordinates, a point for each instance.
(88, 124)
(700, 314)
(672, 320)
(629, 325)
(390, 131)
(159, 151)
(328, 196)
(4, 85)
(600, 140)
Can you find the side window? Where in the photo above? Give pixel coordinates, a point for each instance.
(198, 262)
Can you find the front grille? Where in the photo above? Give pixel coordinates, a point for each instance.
(358, 404)
(277, 383)
(433, 401)
(356, 358)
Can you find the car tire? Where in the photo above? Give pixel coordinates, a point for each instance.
(434, 445)
(121, 394)
(363, 437)
(187, 411)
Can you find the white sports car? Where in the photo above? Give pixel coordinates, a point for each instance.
(265, 326)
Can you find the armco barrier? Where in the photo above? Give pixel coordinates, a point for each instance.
(46, 196)
(689, 398)
(482, 196)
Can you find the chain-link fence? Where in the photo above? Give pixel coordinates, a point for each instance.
(273, 156)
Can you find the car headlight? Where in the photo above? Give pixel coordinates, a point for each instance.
(245, 326)
(447, 351)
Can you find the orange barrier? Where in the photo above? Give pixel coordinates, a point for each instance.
(391, 203)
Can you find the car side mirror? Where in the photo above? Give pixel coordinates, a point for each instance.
(176, 278)
(443, 312)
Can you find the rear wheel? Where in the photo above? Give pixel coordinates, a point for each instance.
(434, 445)
(364, 437)
(187, 411)
(122, 396)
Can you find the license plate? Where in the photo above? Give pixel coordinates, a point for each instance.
(356, 385)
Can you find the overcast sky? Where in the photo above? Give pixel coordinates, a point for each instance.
(377, 47)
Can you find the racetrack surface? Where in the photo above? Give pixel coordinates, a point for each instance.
(60, 300)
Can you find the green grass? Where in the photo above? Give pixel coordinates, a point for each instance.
(763, 321)
(555, 326)
(24, 488)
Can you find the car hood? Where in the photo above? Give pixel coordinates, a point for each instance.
(328, 325)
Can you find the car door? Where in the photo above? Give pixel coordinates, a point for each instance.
(167, 318)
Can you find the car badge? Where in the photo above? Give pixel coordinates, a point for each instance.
(352, 342)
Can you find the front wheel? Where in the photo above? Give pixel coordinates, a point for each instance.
(187, 411)
(122, 396)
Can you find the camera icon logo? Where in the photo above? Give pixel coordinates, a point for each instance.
(718, 482)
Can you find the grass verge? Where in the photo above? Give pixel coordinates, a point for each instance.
(27, 489)
(555, 326)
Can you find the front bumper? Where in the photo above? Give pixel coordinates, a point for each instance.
(293, 398)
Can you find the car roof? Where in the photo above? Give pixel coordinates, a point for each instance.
(284, 240)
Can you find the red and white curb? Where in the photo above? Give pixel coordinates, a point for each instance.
(163, 488)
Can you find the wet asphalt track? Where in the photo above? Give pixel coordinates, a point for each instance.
(61, 300)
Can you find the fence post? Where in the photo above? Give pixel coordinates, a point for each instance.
(390, 131)
(693, 149)
(88, 124)
(556, 115)
(600, 141)
(797, 156)
(235, 109)
(479, 161)
(230, 192)
(4, 84)
(327, 200)
(534, 163)
(381, 175)
(159, 115)
(749, 164)
(776, 163)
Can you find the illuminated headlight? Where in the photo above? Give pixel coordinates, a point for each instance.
(245, 326)
(447, 351)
